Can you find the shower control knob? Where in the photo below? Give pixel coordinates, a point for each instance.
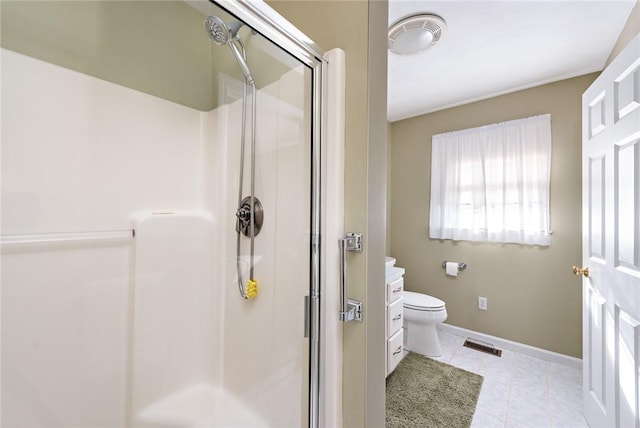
(243, 213)
(249, 221)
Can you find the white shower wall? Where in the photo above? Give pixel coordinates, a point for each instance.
(81, 154)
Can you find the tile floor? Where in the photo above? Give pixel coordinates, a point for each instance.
(519, 390)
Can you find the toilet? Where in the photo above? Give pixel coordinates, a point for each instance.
(421, 313)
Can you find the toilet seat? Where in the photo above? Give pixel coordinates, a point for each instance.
(422, 302)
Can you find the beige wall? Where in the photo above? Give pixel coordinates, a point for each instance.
(388, 246)
(376, 215)
(351, 25)
(157, 47)
(532, 296)
(630, 30)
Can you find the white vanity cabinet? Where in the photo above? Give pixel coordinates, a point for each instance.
(394, 316)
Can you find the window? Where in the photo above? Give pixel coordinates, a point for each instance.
(492, 183)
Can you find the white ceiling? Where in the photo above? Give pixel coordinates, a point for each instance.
(494, 47)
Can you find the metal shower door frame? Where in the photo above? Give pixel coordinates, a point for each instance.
(262, 18)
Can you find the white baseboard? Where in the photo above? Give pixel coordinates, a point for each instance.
(521, 348)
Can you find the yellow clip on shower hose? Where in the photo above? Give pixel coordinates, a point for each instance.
(252, 288)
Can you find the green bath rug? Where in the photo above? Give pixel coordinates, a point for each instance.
(425, 393)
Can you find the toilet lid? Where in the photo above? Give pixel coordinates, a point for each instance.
(420, 301)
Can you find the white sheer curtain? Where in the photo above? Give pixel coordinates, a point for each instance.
(492, 183)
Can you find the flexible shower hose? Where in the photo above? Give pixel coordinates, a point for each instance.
(251, 289)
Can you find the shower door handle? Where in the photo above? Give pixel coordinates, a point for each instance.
(350, 310)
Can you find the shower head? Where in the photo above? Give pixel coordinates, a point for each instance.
(217, 30)
(223, 34)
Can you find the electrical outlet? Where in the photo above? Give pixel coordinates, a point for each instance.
(482, 303)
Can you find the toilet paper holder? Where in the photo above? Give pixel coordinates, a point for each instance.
(461, 266)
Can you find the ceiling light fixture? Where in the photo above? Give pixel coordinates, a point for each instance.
(415, 34)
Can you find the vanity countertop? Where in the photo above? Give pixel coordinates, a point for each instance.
(393, 273)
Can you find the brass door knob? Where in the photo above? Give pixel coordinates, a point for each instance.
(581, 271)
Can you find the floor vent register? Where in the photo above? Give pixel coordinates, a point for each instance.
(483, 347)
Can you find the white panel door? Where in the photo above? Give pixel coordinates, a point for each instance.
(611, 243)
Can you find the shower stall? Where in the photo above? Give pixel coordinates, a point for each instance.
(160, 215)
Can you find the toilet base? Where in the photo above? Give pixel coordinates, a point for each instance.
(422, 339)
